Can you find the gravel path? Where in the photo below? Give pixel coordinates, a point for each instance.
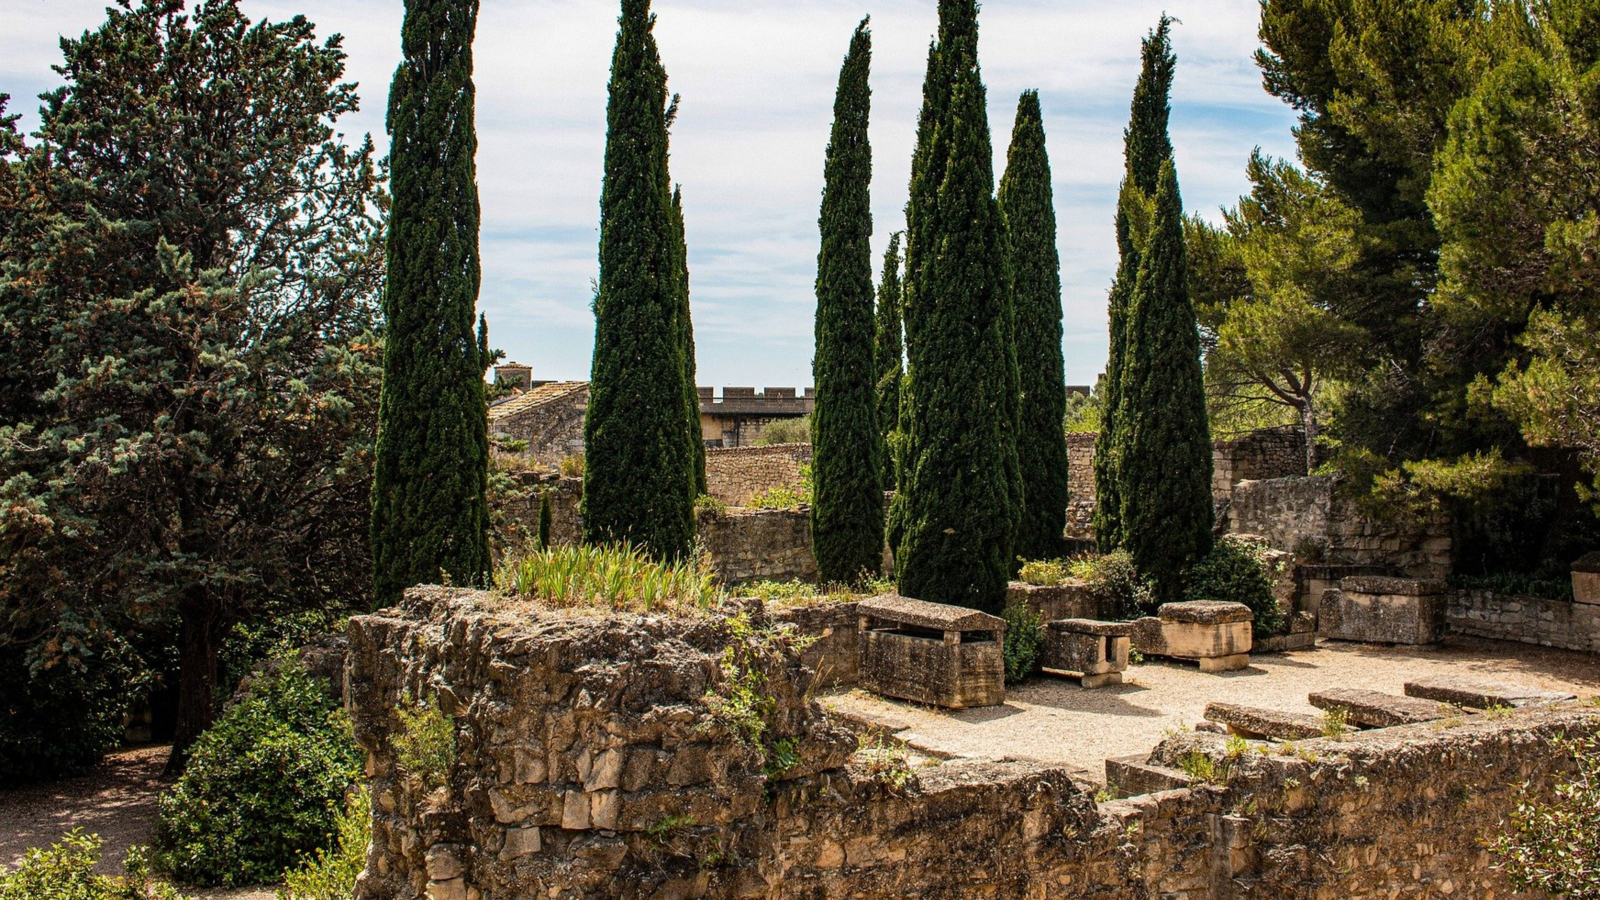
(1053, 720)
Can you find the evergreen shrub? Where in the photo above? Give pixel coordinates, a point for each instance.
(1236, 571)
(65, 871)
(331, 874)
(1024, 635)
(1115, 580)
(55, 721)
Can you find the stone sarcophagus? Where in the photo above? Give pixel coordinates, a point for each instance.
(1071, 599)
(1096, 651)
(1214, 633)
(1586, 579)
(931, 653)
(1378, 610)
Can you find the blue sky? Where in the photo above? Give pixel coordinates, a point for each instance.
(757, 79)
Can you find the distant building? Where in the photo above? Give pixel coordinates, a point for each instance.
(739, 417)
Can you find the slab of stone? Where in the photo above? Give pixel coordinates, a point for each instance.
(1205, 612)
(1480, 694)
(1378, 710)
(1230, 663)
(1250, 721)
(1215, 634)
(933, 616)
(1586, 579)
(935, 671)
(1134, 776)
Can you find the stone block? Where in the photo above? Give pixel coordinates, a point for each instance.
(1097, 651)
(1384, 611)
(1214, 633)
(1480, 694)
(1251, 721)
(1072, 599)
(932, 653)
(1377, 710)
(520, 842)
(1134, 776)
(1586, 579)
(443, 862)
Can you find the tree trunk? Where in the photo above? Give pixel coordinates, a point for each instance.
(1308, 418)
(201, 630)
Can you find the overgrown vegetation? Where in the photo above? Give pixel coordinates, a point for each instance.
(1552, 845)
(885, 760)
(785, 431)
(263, 786)
(742, 700)
(786, 496)
(1024, 635)
(609, 576)
(65, 871)
(1237, 571)
(425, 744)
(1116, 582)
(330, 874)
(794, 593)
(63, 707)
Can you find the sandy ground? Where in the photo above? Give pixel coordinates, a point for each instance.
(116, 800)
(1053, 720)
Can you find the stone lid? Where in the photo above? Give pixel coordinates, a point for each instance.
(1588, 564)
(1205, 612)
(922, 614)
(1091, 626)
(1336, 571)
(1376, 584)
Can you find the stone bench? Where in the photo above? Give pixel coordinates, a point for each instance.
(1096, 651)
(1378, 610)
(1253, 722)
(1480, 694)
(1377, 710)
(1213, 633)
(932, 653)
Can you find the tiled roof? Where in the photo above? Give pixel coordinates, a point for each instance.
(535, 398)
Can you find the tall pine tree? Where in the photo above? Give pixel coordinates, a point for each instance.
(639, 482)
(890, 354)
(954, 518)
(1146, 147)
(430, 516)
(1163, 436)
(1028, 203)
(847, 513)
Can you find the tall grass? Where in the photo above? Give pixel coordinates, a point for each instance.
(618, 577)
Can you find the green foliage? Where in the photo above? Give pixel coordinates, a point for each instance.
(889, 353)
(1335, 723)
(794, 593)
(1550, 845)
(1024, 635)
(1045, 572)
(847, 510)
(1116, 581)
(571, 466)
(694, 433)
(705, 504)
(65, 871)
(955, 517)
(425, 743)
(263, 786)
(1163, 437)
(784, 496)
(609, 576)
(885, 760)
(63, 709)
(330, 874)
(785, 431)
(741, 700)
(1083, 413)
(1236, 571)
(430, 512)
(1028, 202)
(640, 478)
(1517, 584)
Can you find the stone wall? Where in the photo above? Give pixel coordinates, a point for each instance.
(549, 417)
(517, 512)
(593, 762)
(1080, 485)
(758, 544)
(1528, 620)
(735, 474)
(1310, 518)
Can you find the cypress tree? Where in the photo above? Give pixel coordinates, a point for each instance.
(955, 515)
(890, 354)
(1146, 146)
(847, 512)
(697, 444)
(429, 507)
(1028, 202)
(1163, 434)
(545, 520)
(638, 482)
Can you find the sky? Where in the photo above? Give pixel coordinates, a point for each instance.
(757, 79)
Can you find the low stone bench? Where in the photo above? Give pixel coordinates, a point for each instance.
(1134, 776)
(1586, 579)
(932, 653)
(1213, 633)
(1379, 610)
(1480, 694)
(1377, 710)
(1250, 721)
(1097, 651)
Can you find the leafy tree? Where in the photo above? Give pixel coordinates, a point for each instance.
(1163, 436)
(955, 516)
(204, 258)
(1028, 202)
(639, 481)
(847, 514)
(430, 515)
(1145, 147)
(889, 351)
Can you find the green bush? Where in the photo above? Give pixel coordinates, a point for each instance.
(1024, 634)
(1116, 582)
(1553, 847)
(331, 874)
(65, 871)
(60, 717)
(1045, 572)
(425, 745)
(264, 785)
(1237, 571)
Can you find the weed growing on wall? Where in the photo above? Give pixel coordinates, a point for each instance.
(785, 496)
(1116, 582)
(425, 745)
(742, 699)
(885, 761)
(1335, 723)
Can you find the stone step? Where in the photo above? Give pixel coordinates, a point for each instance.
(1135, 776)
(1377, 710)
(1480, 694)
(1250, 721)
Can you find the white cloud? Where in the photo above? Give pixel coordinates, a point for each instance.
(757, 80)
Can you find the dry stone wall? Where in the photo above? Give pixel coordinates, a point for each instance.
(758, 544)
(736, 474)
(1529, 620)
(596, 759)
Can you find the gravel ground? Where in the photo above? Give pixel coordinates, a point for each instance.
(1053, 720)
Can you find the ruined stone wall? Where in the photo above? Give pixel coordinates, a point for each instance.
(758, 544)
(1311, 519)
(1528, 620)
(735, 474)
(832, 634)
(592, 762)
(1080, 485)
(553, 428)
(517, 511)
